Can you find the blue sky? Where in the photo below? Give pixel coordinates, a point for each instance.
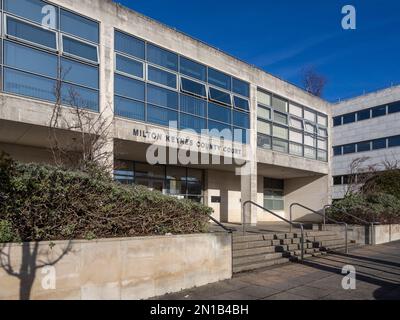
(283, 37)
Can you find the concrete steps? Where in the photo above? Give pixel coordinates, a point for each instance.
(254, 251)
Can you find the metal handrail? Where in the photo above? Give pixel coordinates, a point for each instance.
(278, 216)
(327, 218)
(220, 224)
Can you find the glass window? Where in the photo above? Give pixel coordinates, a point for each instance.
(394, 141)
(322, 132)
(219, 113)
(310, 141)
(193, 105)
(363, 114)
(310, 153)
(296, 123)
(280, 132)
(240, 87)
(29, 85)
(79, 73)
(296, 110)
(310, 115)
(240, 135)
(29, 9)
(220, 130)
(264, 127)
(337, 121)
(310, 128)
(264, 113)
(394, 107)
(128, 87)
(281, 118)
(349, 148)
(149, 171)
(193, 69)
(322, 144)
(264, 98)
(193, 87)
(80, 49)
(337, 181)
(279, 145)
(241, 119)
(129, 66)
(296, 149)
(263, 141)
(161, 116)
(279, 104)
(274, 195)
(72, 95)
(176, 173)
(337, 151)
(162, 57)
(379, 144)
(129, 108)
(129, 45)
(162, 97)
(322, 155)
(39, 62)
(323, 120)
(191, 122)
(349, 118)
(219, 79)
(241, 103)
(296, 136)
(378, 111)
(220, 96)
(363, 146)
(79, 26)
(31, 33)
(162, 77)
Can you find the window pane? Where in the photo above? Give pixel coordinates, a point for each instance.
(220, 130)
(322, 132)
(241, 119)
(337, 151)
(363, 115)
(296, 110)
(337, 121)
(310, 141)
(363, 146)
(263, 141)
(322, 144)
(280, 132)
(129, 66)
(129, 45)
(310, 128)
(379, 144)
(264, 113)
(29, 85)
(162, 97)
(193, 69)
(219, 113)
(79, 73)
(395, 107)
(128, 87)
(296, 123)
(349, 148)
(193, 87)
(219, 79)
(80, 49)
(39, 62)
(80, 97)
(240, 135)
(241, 103)
(394, 141)
(162, 57)
(264, 98)
(310, 153)
(149, 171)
(79, 26)
(322, 155)
(337, 181)
(378, 111)
(349, 118)
(162, 77)
(129, 108)
(31, 33)
(264, 127)
(296, 149)
(193, 105)
(281, 118)
(240, 87)
(29, 9)
(190, 122)
(279, 145)
(323, 120)
(310, 115)
(220, 96)
(161, 116)
(296, 136)
(279, 104)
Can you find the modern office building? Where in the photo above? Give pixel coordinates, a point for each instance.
(365, 131)
(142, 75)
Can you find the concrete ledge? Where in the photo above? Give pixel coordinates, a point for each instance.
(128, 268)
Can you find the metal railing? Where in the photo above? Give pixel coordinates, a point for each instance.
(370, 224)
(220, 224)
(325, 217)
(274, 214)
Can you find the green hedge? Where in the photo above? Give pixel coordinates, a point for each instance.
(40, 203)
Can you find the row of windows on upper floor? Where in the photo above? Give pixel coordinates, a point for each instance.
(366, 114)
(365, 146)
(347, 179)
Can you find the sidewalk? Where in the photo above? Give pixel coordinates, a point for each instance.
(378, 278)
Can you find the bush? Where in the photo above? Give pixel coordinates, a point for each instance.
(385, 182)
(48, 203)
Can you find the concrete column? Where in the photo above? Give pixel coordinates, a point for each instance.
(248, 184)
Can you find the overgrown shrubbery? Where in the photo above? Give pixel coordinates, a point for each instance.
(40, 203)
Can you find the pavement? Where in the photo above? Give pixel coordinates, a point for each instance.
(377, 278)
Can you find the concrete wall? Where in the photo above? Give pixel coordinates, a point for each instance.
(131, 268)
(387, 233)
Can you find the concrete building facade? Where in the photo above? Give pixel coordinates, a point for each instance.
(142, 76)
